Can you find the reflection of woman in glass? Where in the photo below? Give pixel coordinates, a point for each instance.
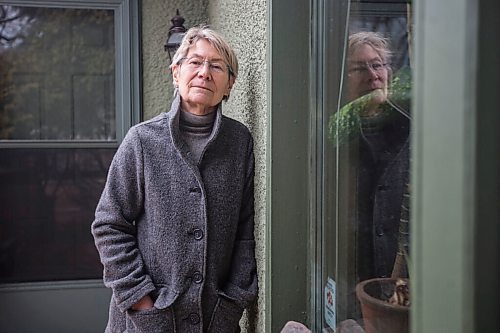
(382, 129)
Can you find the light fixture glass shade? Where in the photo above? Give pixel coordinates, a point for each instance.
(174, 40)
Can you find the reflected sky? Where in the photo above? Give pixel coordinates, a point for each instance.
(14, 25)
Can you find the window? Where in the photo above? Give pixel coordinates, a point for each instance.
(363, 231)
(69, 92)
(58, 74)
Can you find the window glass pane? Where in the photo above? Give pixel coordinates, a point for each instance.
(47, 203)
(57, 74)
(366, 161)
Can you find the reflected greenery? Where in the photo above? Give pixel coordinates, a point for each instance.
(345, 124)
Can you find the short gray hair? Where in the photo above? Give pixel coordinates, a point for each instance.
(215, 39)
(375, 40)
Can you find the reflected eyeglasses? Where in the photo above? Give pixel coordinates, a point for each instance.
(365, 68)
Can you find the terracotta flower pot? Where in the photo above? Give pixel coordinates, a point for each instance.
(379, 315)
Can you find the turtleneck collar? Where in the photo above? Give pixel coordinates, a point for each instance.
(195, 124)
(173, 123)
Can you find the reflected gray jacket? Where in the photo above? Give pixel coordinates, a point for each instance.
(383, 173)
(180, 232)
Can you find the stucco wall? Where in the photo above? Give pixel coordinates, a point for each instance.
(244, 25)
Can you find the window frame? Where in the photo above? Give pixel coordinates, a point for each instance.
(128, 85)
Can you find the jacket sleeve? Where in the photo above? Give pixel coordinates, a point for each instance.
(114, 228)
(242, 286)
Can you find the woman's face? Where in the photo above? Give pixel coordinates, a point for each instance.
(368, 72)
(202, 78)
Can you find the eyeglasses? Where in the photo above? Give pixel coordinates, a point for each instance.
(376, 67)
(215, 66)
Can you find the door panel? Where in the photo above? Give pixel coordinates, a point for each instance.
(55, 308)
(48, 198)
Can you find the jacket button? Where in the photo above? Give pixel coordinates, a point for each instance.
(380, 232)
(198, 234)
(193, 190)
(382, 188)
(197, 277)
(194, 318)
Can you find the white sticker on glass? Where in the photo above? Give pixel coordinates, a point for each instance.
(330, 302)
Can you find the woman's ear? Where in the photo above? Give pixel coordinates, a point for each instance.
(175, 75)
(230, 85)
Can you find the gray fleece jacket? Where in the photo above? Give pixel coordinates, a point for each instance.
(180, 232)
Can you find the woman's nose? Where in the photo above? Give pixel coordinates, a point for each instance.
(204, 70)
(372, 73)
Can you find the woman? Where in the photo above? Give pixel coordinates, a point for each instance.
(383, 155)
(174, 225)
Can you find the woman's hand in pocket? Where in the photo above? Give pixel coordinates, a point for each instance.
(144, 303)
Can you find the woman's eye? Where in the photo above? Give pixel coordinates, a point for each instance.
(217, 67)
(376, 66)
(195, 62)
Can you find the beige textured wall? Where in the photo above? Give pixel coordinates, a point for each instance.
(244, 24)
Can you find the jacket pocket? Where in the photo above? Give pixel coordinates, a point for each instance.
(164, 297)
(151, 321)
(226, 317)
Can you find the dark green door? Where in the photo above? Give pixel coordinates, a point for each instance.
(59, 128)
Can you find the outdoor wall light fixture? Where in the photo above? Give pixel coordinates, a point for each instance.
(175, 34)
